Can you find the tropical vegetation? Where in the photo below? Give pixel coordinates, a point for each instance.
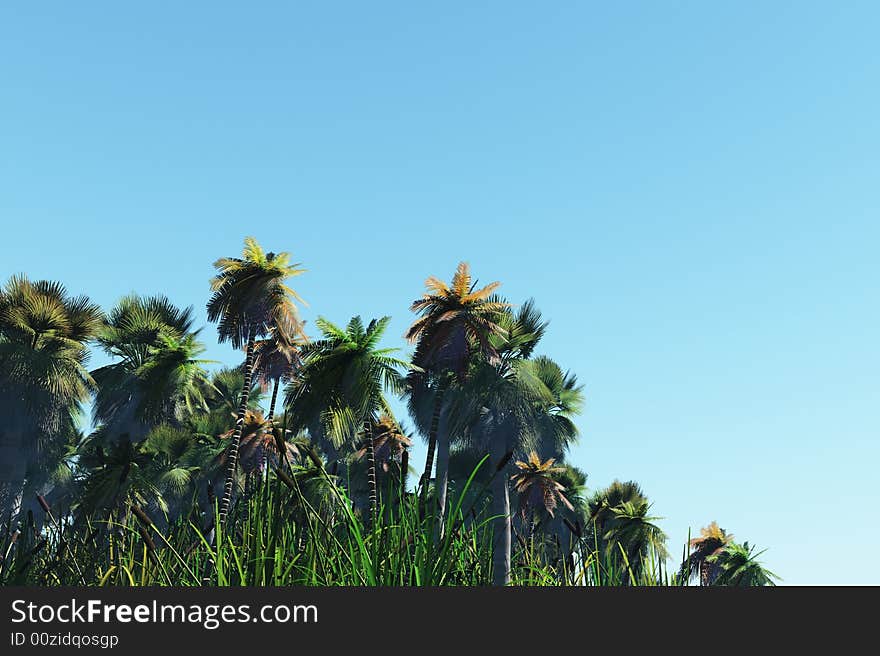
(290, 466)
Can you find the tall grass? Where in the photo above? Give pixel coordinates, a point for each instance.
(280, 535)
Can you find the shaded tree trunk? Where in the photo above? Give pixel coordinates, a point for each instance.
(274, 399)
(270, 423)
(232, 464)
(501, 536)
(441, 484)
(432, 442)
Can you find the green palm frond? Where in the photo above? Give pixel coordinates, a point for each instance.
(738, 565)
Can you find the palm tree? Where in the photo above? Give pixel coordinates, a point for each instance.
(622, 531)
(274, 361)
(115, 473)
(738, 565)
(602, 503)
(43, 376)
(157, 376)
(390, 442)
(340, 389)
(537, 488)
(712, 540)
(258, 450)
(159, 379)
(390, 448)
(507, 408)
(454, 321)
(563, 532)
(177, 463)
(250, 299)
(159, 473)
(555, 427)
(133, 326)
(633, 533)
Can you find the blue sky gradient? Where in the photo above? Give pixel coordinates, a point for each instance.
(689, 190)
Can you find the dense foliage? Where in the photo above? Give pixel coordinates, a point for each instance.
(291, 467)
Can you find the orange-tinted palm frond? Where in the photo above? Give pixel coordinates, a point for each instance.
(481, 294)
(455, 322)
(437, 286)
(712, 533)
(461, 281)
(536, 487)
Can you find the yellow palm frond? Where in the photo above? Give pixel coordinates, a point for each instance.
(481, 294)
(461, 281)
(435, 285)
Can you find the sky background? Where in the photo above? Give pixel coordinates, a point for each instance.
(689, 190)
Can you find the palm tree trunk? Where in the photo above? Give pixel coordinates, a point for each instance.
(501, 536)
(282, 452)
(232, 465)
(272, 403)
(442, 477)
(283, 456)
(371, 471)
(432, 442)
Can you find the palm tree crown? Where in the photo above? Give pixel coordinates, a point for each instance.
(250, 295)
(712, 540)
(738, 565)
(157, 377)
(622, 530)
(340, 388)
(536, 486)
(43, 377)
(343, 379)
(454, 319)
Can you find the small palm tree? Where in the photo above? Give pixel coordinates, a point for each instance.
(115, 474)
(622, 530)
(564, 532)
(738, 565)
(537, 488)
(339, 391)
(712, 540)
(160, 472)
(250, 299)
(634, 533)
(602, 503)
(390, 447)
(157, 376)
(275, 359)
(176, 464)
(259, 447)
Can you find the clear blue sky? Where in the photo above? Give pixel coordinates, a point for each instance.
(689, 190)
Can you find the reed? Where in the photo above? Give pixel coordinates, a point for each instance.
(285, 534)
